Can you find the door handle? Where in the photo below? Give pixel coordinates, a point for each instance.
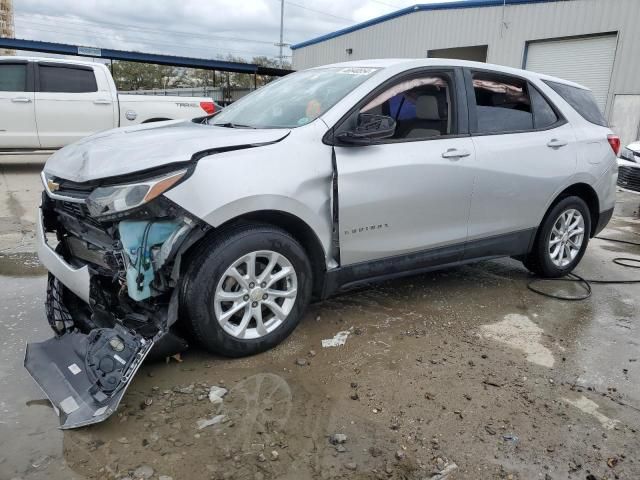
(556, 143)
(455, 153)
(21, 100)
(101, 101)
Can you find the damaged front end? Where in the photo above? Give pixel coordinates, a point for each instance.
(113, 252)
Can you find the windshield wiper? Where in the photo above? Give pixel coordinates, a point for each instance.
(231, 125)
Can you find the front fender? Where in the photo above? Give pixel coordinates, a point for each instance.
(292, 176)
(278, 203)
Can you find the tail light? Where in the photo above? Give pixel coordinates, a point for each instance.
(208, 107)
(614, 141)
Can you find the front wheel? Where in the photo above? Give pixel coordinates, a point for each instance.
(562, 239)
(246, 290)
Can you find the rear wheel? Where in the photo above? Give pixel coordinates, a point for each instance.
(246, 290)
(562, 239)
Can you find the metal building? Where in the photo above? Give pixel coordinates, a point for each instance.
(6, 23)
(593, 42)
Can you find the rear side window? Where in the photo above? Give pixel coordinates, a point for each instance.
(67, 80)
(582, 102)
(543, 113)
(13, 78)
(502, 103)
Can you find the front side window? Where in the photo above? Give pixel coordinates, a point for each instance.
(13, 78)
(294, 100)
(67, 80)
(421, 107)
(502, 103)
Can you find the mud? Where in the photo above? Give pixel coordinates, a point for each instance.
(462, 373)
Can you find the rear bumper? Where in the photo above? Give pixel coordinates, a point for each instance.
(603, 220)
(75, 279)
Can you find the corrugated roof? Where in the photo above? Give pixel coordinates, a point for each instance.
(416, 8)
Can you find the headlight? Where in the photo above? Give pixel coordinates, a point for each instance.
(120, 198)
(627, 154)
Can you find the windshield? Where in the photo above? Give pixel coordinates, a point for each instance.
(294, 100)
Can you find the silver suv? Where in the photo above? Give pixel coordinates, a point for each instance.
(226, 227)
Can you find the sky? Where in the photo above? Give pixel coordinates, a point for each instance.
(196, 28)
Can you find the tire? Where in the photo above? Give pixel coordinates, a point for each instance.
(209, 280)
(539, 260)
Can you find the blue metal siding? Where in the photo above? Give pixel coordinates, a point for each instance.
(413, 9)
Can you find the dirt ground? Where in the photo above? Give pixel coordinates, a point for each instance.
(457, 374)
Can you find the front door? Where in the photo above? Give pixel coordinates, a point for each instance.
(17, 113)
(411, 192)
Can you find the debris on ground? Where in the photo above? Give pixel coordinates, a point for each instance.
(216, 393)
(143, 472)
(338, 339)
(445, 472)
(338, 438)
(207, 422)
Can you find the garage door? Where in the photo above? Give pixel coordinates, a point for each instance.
(587, 61)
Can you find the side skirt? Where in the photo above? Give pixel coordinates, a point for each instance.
(351, 276)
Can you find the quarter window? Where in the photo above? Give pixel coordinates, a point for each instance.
(581, 100)
(67, 80)
(502, 104)
(13, 78)
(543, 114)
(421, 107)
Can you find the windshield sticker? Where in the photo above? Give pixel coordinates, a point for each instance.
(357, 70)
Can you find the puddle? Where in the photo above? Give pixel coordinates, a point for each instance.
(591, 408)
(21, 265)
(519, 332)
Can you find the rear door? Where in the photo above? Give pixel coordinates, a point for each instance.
(411, 192)
(525, 150)
(17, 112)
(69, 103)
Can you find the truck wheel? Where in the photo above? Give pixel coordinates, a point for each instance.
(246, 289)
(561, 240)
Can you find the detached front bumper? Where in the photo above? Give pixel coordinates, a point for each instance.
(84, 376)
(102, 334)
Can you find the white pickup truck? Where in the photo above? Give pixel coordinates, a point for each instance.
(48, 103)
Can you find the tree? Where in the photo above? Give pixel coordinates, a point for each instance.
(143, 76)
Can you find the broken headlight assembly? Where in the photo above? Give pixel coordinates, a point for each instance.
(114, 199)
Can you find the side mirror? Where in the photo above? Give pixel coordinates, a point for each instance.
(370, 128)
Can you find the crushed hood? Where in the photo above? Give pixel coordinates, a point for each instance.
(132, 149)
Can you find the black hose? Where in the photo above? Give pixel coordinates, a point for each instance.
(586, 283)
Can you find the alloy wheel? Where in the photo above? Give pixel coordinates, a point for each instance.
(566, 237)
(255, 294)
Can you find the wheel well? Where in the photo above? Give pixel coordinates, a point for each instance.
(590, 197)
(156, 120)
(293, 225)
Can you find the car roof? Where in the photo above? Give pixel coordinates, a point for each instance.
(408, 63)
(48, 59)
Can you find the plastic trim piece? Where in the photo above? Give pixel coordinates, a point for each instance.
(75, 279)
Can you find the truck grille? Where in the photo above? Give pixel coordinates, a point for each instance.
(629, 178)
